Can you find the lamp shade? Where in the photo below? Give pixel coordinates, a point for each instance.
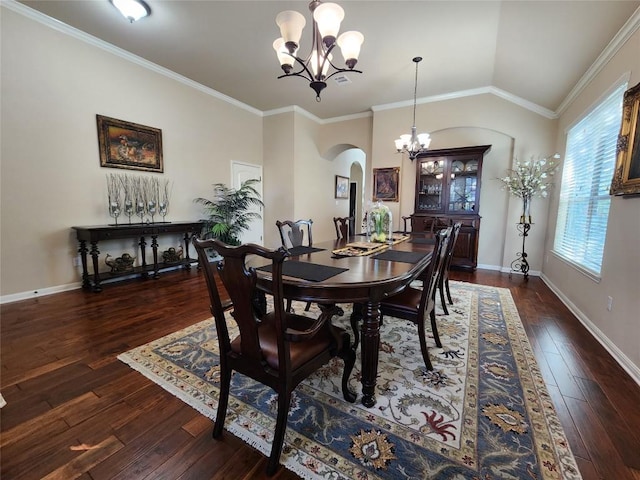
(281, 51)
(314, 64)
(328, 16)
(350, 43)
(291, 24)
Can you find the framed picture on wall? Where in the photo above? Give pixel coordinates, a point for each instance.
(386, 182)
(342, 187)
(129, 145)
(626, 177)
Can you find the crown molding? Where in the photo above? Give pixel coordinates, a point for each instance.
(545, 112)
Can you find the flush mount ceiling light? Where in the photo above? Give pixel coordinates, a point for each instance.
(414, 143)
(326, 24)
(132, 10)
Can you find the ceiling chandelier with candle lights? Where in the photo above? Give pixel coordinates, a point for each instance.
(315, 67)
(414, 143)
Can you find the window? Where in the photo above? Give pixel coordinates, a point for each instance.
(584, 202)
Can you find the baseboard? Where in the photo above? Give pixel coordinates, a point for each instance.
(16, 297)
(618, 355)
(501, 269)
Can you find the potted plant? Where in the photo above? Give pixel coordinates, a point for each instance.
(229, 213)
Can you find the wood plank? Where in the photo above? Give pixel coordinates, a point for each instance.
(81, 464)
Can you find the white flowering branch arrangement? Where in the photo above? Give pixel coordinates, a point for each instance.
(532, 178)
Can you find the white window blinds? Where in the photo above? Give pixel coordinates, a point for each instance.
(586, 177)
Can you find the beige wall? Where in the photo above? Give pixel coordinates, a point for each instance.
(620, 328)
(478, 120)
(53, 86)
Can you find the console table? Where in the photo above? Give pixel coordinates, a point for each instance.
(94, 234)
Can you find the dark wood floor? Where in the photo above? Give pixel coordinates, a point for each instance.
(75, 411)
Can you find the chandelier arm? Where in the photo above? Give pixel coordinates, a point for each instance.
(342, 70)
(303, 63)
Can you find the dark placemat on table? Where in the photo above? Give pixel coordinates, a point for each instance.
(303, 250)
(307, 271)
(427, 241)
(400, 256)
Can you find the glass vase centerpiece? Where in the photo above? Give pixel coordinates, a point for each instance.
(379, 223)
(527, 180)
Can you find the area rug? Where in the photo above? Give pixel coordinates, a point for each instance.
(482, 413)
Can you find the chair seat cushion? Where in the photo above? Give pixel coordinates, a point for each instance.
(300, 352)
(403, 305)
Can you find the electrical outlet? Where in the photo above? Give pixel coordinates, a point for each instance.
(76, 261)
(609, 303)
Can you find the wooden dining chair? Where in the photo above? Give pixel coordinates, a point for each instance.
(279, 349)
(418, 304)
(292, 232)
(292, 235)
(443, 278)
(342, 226)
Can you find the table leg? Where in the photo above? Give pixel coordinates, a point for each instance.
(154, 248)
(143, 258)
(86, 283)
(370, 346)
(187, 259)
(96, 269)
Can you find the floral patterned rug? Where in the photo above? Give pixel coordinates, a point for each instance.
(482, 413)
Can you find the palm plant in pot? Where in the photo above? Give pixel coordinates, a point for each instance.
(230, 213)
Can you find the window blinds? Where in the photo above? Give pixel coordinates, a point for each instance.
(586, 177)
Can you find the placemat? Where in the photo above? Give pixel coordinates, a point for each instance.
(303, 250)
(427, 241)
(307, 271)
(400, 256)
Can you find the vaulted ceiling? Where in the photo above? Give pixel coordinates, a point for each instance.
(533, 51)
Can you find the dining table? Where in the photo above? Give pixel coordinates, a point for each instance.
(344, 271)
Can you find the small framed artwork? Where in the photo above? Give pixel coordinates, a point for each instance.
(342, 187)
(129, 145)
(386, 183)
(626, 177)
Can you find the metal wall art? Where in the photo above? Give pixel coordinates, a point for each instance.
(135, 196)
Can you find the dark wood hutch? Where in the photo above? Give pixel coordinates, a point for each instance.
(448, 191)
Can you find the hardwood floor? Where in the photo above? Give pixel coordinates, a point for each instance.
(75, 411)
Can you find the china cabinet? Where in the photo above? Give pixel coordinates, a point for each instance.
(448, 191)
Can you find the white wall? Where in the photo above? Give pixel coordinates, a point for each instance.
(53, 86)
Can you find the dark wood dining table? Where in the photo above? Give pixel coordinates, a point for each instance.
(362, 280)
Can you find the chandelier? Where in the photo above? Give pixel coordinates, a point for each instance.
(414, 143)
(326, 24)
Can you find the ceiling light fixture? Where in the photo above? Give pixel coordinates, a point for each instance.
(326, 24)
(414, 143)
(132, 10)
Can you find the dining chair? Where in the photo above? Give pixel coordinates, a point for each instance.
(292, 232)
(418, 304)
(278, 349)
(342, 226)
(406, 220)
(443, 278)
(292, 235)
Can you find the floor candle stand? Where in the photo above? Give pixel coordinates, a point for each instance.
(520, 264)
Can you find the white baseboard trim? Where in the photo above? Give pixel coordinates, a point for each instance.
(16, 297)
(618, 355)
(501, 269)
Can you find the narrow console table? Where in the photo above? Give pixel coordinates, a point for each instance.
(94, 234)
